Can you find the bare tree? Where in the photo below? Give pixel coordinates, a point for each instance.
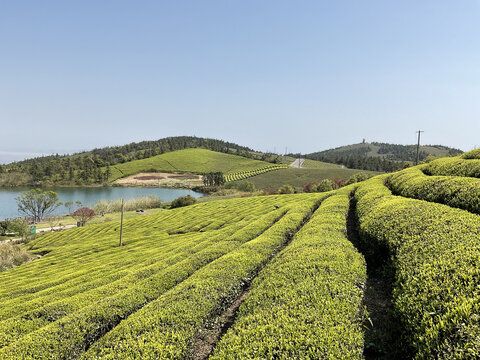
(37, 204)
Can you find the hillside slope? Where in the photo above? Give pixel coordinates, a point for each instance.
(198, 161)
(269, 277)
(380, 156)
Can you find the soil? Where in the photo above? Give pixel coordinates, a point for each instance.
(207, 338)
(162, 180)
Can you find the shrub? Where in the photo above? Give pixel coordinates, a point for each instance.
(183, 201)
(459, 192)
(435, 253)
(286, 189)
(83, 215)
(12, 255)
(358, 177)
(245, 186)
(18, 226)
(310, 187)
(325, 185)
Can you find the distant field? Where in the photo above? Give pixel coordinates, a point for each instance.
(189, 160)
(299, 177)
(314, 164)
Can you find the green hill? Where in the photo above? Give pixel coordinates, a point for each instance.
(88, 167)
(198, 161)
(377, 156)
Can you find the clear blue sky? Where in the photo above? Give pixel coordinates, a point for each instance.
(307, 75)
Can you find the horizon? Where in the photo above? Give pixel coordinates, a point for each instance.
(26, 155)
(308, 75)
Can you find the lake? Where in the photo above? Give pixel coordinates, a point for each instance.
(88, 196)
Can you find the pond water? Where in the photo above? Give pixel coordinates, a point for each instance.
(88, 196)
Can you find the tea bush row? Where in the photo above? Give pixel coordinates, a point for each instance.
(467, 164)
(307, 302)
(459, 192)
(249, 173)
(165, 328)
(435, 252)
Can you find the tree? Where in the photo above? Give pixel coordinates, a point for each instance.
(54, 221)
(37, 203)
(71, 206)
(213, 179)
(183, 201)
(19, 226)
(83, 215)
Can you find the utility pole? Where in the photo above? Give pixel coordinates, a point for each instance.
(121, 224)
(418, 145)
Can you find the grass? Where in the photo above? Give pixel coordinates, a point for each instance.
(314, 164)
(196, 161)
(299, 177)
(13, 255)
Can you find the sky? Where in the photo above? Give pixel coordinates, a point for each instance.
(271, 74)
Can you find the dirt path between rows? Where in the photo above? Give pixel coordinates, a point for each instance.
(382, 329)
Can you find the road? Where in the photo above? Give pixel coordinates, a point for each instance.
(297, 163)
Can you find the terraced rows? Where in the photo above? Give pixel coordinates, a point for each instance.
(307, 302)
(435, 253)
(240, 175)
(287, 256)
(59, 305)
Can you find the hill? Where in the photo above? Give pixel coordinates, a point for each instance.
(281, 276)
(198, 161)
(377, 156)
(89, 167)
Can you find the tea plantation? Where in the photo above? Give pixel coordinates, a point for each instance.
(265, 277)
(197, 161)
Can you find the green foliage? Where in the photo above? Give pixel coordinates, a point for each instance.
(298, 177)
(325, 185)
(380, 156)
(240, 175)
(307, 302)
(161, 329)
(358, 177)
(199, 161)
(183, 201)
(184, 263)
(466, 165)
(19, 227)
(213, 179)
(95, 166)
(37, 203)
(245, 186)
(436, 256)
(474, 154)
(286, 189)
(459, 192)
